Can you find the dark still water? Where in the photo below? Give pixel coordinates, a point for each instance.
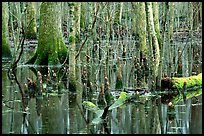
(65, 114)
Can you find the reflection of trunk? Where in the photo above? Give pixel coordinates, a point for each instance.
(154, 120)
(39, 115)
(134, 120)
(72, 113)
(196, 118)
(162, 119)
(52, 115)
(142, 124)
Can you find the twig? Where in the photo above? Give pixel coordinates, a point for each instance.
(81, 47)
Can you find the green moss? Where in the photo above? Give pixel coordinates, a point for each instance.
(71, 39)
(123, 96)
(190, 81)
(120, 101)
(53, 59)
(189, 94)
(51, 48)
(6, 52)
(83, 17)
(63, 52)
(90, 106)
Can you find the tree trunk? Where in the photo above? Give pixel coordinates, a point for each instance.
(196, 15)
(156, 21)
(119, 82)
(141, 36)
(6, 52)
(51, 48)
(163, 37)
(72, 48)
(177, 83)
(30, 21)
(170, 39)
(156, 53)
(77, 35)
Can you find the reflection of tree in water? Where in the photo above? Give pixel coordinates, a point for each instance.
(39, 115)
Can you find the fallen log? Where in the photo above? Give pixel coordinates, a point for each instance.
(180, 88)
(177, 83)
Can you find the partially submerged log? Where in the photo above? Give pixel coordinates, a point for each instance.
(180, 88)
(177, 83)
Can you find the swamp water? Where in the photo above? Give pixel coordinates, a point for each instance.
(65, 114)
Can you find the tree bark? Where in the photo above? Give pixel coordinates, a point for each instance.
(177, 83)
(51, 48)
(72, 48)
(140, 34)
(30, 21)
(6, 52)
(156, 52)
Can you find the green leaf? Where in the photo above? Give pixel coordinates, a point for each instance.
(120, 101)
(90, 106)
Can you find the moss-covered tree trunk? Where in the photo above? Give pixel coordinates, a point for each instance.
(177, 83)
(77, 35)
(155, 9)
(196, 14)
(31, 21)
(165, 12)
(83, 16)
(72, 48)
(141, 27)
(119, 82)
(140, 34)
(51, 48)
(118, 13)
(6, 52)
(155, 45)
(170, 37)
